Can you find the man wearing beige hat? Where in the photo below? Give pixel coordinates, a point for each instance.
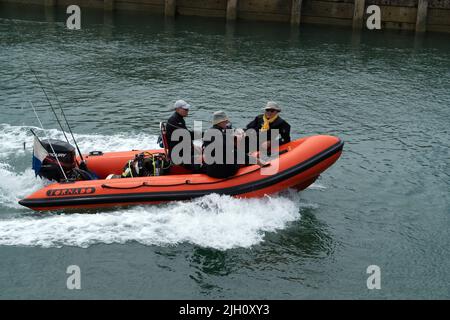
(220, 148)
(271, 120)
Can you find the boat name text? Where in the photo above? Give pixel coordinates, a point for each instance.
(71, 191)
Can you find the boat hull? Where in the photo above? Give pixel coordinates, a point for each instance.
(304, 160)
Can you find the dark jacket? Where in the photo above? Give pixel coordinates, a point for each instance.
(280, 124)
(176, 122)
(222, 170)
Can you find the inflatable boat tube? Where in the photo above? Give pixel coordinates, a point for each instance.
(299, 166)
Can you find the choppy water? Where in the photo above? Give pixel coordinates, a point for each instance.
(385, 202)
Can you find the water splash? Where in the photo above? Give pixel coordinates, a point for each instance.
(215, 221)
(14, 186)
(317, 186)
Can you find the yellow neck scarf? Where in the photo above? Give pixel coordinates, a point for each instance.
(267, 122)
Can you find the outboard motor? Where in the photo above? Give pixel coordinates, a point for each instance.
(66, 155)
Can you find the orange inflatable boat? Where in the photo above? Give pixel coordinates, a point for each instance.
(299, 164)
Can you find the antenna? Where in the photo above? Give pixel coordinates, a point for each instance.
(64, 116)
(51, 106)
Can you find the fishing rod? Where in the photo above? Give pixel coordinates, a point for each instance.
(51, 106)
(48, 139)
(40, 85)
(64, 116)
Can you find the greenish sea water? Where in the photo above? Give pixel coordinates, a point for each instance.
(385, 202)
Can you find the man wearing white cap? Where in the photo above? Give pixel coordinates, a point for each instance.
(270, 120)
(176, 121)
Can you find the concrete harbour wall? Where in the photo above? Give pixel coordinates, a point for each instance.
(418, 15)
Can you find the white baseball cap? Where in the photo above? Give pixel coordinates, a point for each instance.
(181, 104)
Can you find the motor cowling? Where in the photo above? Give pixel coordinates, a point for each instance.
(62, 151)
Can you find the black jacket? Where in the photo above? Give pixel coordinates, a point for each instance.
(222, 170)
(176, 122)
(280, 124)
